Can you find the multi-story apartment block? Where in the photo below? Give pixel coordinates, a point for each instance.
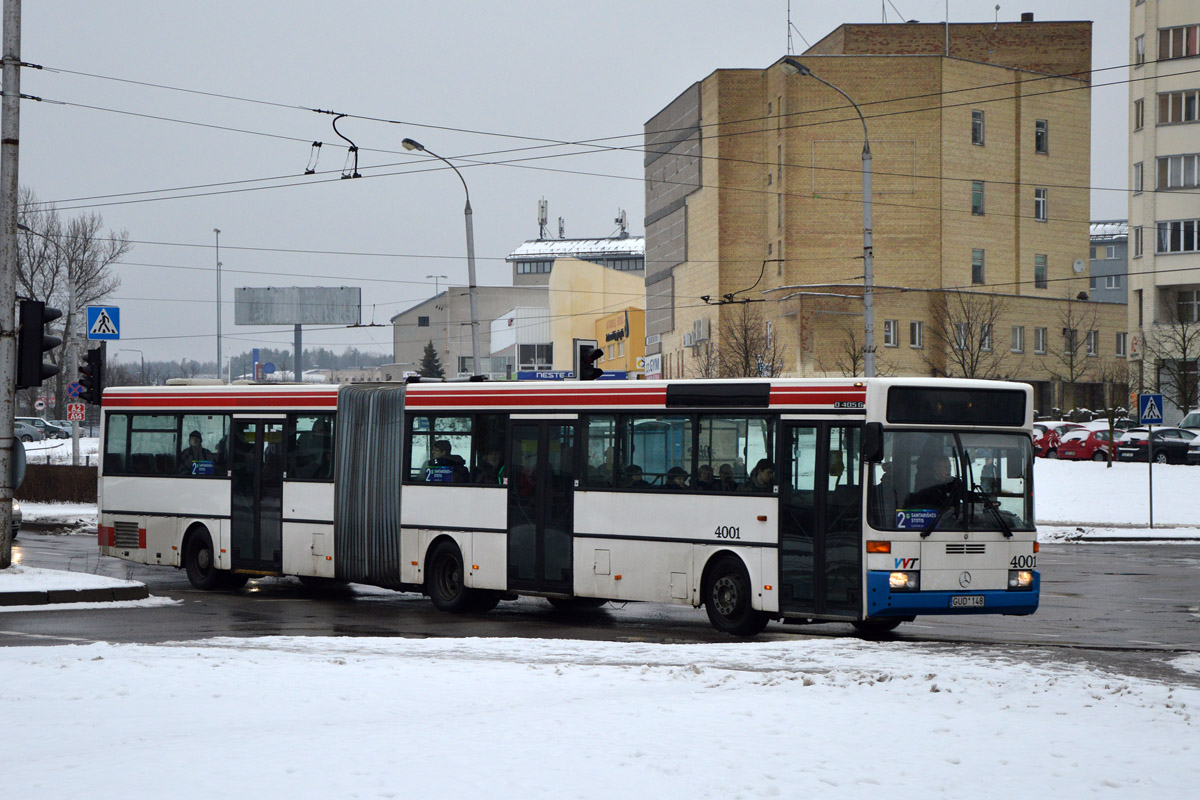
(980, 142)
(1164, 212)
(1109, 266)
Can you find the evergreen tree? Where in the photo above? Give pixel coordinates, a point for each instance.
(431, 365)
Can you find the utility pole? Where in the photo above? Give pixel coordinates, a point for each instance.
(10, 129)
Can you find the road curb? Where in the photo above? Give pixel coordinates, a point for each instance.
(50, 596)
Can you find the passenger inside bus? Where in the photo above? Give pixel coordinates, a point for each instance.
(195, 460)
(935, 484)
(762, 477)
(726, 482)
(314, 452)
(677, 478)
(633, 478)
(704, 478)
(444, 466)
(490, 470)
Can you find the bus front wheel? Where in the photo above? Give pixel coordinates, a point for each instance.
(874, 627)
(200, 562)
(727, 599)
(444, 581)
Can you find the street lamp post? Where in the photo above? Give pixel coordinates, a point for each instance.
(412, 144)
(868, 246)
(217, 231)
(140, 353)
(437, 329)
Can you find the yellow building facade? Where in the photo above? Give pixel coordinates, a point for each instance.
(582, 295)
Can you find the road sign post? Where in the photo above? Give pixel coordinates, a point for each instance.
(76, 412)
(1150, 413)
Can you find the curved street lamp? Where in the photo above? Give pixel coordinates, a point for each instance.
(413, 144)
(868, 245)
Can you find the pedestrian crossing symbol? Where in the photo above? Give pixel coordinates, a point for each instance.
(103, 322)
(1150, 409)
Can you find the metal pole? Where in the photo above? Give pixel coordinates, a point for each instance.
(10, 128)
(297, 365)
(217, 231)
(72, 358)
(1150, 470)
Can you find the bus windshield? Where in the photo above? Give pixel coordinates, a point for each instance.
(951, 481)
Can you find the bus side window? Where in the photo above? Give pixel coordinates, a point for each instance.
(310, 448)
(600, 459)
(116, 443)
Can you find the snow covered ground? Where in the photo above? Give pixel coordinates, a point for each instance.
(516, 718)
(451, 718)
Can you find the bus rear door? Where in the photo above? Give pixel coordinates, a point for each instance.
(820, 512)
(256, 504)
(541, 507)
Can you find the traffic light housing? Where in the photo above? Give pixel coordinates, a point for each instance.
(91, 376)
(588, 371)
(33, 341)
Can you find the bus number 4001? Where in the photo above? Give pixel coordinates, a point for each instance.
(728, 532)
(1023, 562)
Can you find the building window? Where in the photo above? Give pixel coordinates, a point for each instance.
(891, 333)
(779, 161)
(977, 274)
(1139, 50)
(1039, 271)
(1178, 172)
(1137, 242)
(1187, 305)
(1137, 177)
(1040, 204)
(1122, 343)
(1178, 236)
(1094, 282)
(1110, 251)
(1018, 338)
(1039, 341)
(1176, 107)
(779, 213)
(1139, 114)
(916, 334)
(1093, 343)
(1112, 281)
(960, 335)
(533, 267)
(985, 337)
(422, 322)
(1177, 42)
(1070, 340)
(1041, 136)
(977, 127)
(977, 198)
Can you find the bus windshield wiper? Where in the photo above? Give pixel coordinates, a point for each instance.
(993, 506)
(954, 501)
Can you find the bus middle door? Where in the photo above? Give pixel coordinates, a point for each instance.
(541, 510)
(820, 512)
(256, 501)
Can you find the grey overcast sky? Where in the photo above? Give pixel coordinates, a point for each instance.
(473, 78)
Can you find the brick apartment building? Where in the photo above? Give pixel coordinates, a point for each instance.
(980, 142)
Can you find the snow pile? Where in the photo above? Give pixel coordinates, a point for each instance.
(19, 578)
(551, 719)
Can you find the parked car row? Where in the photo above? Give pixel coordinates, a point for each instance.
(1048, 437)
(34, 429)
(1092, 441)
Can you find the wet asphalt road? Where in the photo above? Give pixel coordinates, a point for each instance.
(1125, 606)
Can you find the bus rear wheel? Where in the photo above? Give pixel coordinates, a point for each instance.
(874, 627)
(727, 599)
(444, 581)
(200, 562)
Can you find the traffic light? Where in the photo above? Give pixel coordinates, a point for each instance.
(91, 376)
(33, 341)
(588, 371)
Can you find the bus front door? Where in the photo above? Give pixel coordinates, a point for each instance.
(820, 529)
(541, 505)
(256, 505)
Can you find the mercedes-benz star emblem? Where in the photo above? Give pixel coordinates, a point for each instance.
(964, 580)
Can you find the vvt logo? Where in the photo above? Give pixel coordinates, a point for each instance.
(906, 563)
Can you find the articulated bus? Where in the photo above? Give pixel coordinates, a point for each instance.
(869, 502)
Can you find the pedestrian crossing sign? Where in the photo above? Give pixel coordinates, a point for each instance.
(1150, 409)
(103, 322)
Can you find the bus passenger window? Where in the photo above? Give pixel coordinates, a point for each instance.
(310, 448)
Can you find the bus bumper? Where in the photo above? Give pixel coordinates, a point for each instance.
(883, 602)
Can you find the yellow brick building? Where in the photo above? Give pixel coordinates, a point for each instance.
(980, 143)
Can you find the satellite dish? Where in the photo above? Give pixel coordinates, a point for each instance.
(1079, 265)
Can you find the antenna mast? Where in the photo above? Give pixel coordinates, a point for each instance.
(789, 26)
(543, 210)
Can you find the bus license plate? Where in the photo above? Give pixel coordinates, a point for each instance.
(966, 601)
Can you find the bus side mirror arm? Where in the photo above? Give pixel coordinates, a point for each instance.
(872, 442)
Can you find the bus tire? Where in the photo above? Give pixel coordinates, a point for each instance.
(874, 627)
(727, 599)
(234, 581)
(201, 563)
(483, 600)
(444, 581)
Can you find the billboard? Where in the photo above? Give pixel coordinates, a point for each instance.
(298, 305)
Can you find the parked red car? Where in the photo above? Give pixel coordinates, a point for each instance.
(1046, 436)
(1083, 444)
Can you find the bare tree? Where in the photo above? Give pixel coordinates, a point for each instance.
(849, 354)
(704, 362)
(961, 334)
(1114, 382)
(1173, 347)
(66, 264)
(747, 348)
(1070, 360)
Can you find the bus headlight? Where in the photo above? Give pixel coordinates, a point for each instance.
(904, 581)
(1020, 579)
